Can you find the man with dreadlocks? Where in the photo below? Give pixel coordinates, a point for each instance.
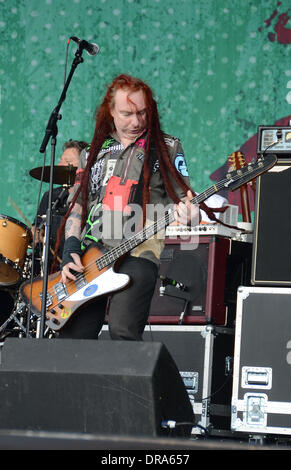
(131, 163)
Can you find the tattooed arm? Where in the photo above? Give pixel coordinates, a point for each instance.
(73, 229)
(73, 224)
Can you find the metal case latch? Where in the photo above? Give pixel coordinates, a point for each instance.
(255, 409)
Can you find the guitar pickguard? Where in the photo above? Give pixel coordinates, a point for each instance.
(108, 281)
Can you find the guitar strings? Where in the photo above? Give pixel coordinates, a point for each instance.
(105, 260)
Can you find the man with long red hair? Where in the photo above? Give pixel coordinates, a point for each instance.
(131, 164)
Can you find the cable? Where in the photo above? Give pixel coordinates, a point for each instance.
(172, 424)
(218, 390)
(66, 60)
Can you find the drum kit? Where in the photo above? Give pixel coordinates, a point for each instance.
(17, 248)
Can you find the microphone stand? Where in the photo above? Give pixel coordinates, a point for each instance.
(51, 133)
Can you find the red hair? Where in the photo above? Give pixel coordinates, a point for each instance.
(105, 125)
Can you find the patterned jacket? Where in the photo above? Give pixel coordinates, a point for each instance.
(112, 181)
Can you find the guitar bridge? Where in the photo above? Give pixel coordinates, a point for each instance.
(60, 291)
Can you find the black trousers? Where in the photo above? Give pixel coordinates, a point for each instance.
(128, 309)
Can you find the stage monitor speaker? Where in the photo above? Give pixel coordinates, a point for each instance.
(209, 274)
(89, 386)
(271, 258)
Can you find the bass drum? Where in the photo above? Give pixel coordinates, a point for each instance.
(15, 238)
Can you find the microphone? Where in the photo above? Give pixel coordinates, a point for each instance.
(59, 200)
(92, 49)
(166, 281)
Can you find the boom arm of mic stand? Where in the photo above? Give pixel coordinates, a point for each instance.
(55, 116)
(51, 132)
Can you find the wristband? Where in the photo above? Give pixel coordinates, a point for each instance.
(71, 245)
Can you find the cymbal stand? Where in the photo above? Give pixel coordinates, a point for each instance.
(51, 133)
(17, 311)
(47, 332)
(19, 316)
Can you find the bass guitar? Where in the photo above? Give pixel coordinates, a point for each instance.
(99, 277)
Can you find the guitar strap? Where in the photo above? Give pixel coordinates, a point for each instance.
(95, 215)
(138, 190)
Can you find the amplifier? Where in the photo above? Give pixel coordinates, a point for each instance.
(199, 285)
(274, 139)
(272, 226)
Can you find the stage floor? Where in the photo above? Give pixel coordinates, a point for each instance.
(33, 440)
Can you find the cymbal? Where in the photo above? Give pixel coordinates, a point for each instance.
(62, 174)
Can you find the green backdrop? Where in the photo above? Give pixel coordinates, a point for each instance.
(219, 69)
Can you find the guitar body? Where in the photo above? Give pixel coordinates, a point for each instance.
(63, 300)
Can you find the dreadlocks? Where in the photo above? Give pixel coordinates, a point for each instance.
(105, 125)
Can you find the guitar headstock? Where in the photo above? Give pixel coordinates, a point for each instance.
(236, 160)
(235, 179)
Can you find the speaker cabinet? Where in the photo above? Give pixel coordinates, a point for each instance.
(89, 386)
(271, 260)
(201, 282)
(203, 355)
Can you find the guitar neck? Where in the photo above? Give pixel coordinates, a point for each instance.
(231, 182)
(148, 232)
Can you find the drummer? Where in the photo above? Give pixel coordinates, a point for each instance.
(70, 156)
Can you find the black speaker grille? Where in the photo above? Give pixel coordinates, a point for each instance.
(271, 258)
